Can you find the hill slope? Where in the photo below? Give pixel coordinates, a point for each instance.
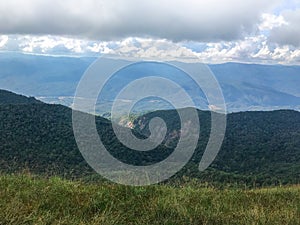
(259, 147)
(263, 145)
(39, 137)
(7, 97)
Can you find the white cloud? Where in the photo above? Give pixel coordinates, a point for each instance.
(176, 20)
(270, 21)
(150, 49)
(101, 47)
(44, 44)
(3, 40)
(252, 49)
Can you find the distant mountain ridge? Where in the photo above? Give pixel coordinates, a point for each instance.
(259, 87)
(246, 87)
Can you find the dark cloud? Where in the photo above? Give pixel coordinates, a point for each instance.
(288, 33)
(175, 20)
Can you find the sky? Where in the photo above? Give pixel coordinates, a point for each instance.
(215, 31)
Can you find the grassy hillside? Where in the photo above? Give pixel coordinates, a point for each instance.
(30, 200)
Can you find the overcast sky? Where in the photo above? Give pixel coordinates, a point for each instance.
(261, 31)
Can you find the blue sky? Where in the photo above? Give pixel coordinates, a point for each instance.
(286, 5)
(215, 31)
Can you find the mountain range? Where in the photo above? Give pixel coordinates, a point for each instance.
(246, 87)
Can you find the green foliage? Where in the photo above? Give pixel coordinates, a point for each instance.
(7, 97)
(39, 137)
(260, 148)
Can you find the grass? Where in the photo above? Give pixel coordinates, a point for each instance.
(26, 199)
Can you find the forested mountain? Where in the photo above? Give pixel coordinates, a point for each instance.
(39, 137)
(7, 97)
(259, 147)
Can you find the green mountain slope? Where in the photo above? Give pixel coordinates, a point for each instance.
(264, 146)
(39, 137)
(260, 148)
(7, 97)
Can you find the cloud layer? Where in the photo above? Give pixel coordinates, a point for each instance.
(289, 33)
(177, 20)
(252, 49)
(256, 31)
